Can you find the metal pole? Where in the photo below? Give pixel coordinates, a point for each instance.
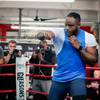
(99, 48)
(20, 20)
(99, 32)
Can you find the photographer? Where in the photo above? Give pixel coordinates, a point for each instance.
(10, 58)
(1, 78)
(42, 55)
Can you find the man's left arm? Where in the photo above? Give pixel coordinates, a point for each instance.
(88, 55)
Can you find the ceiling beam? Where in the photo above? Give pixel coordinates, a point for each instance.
(77, 5)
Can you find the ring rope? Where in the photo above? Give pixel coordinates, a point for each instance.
(36, 92)
(44, 76)
(92, 68)
(7, 65)
(41, 65)
(7, 91)
(93, 79)
(8, 74)
(40, 76)
(44, 65)
(53, 66)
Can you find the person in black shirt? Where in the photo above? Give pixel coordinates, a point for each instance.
(93, 87)
(10, 58)
(42, 55)
(1, 77)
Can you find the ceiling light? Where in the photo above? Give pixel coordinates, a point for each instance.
(52, 0)
(59, 1)
(34, 28)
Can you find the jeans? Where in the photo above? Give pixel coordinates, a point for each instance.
(75, 88)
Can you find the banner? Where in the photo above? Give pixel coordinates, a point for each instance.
(21, 78)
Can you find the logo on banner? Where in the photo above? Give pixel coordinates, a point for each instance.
(20, 78)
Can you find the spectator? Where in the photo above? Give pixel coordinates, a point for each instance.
(93, 87)
(1, 77)
(43, 55)
(10, 58)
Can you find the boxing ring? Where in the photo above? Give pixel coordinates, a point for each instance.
(22, 77)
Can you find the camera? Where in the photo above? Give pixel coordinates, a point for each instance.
(15, 53)
(41, 50)
(38, 51)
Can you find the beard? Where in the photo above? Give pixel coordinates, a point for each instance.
(73, 32)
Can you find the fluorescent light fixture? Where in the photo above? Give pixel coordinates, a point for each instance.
(43, 0)
(43, 24)
(52, 0)
(34, 28)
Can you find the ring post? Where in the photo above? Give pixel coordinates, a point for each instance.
(20, 78)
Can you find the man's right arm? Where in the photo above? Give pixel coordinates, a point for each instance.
(1, 61)
(45, 35)
(7, 58)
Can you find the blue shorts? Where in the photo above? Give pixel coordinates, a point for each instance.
(59, 90)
